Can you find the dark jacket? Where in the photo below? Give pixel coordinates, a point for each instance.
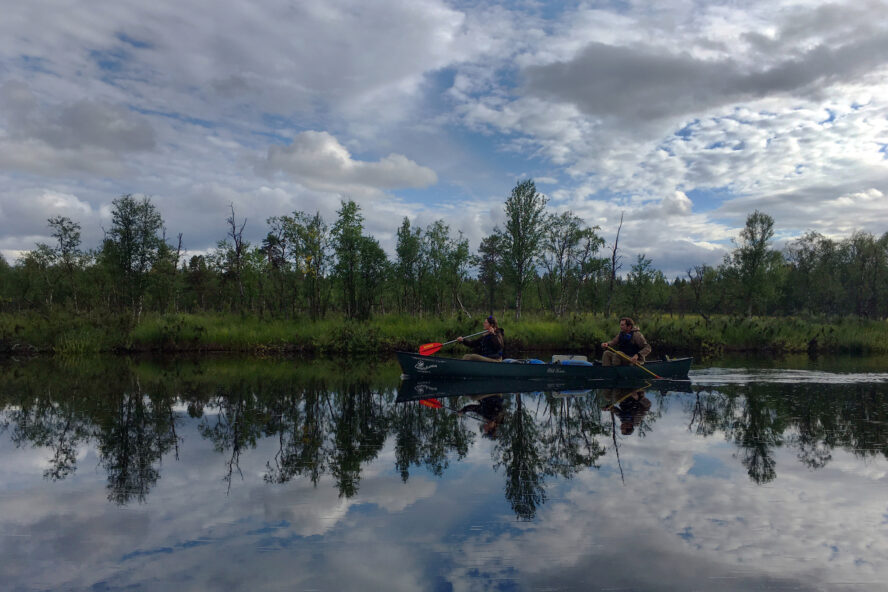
(631, 343)
(631, 411)
(490, 408)
(489, 346)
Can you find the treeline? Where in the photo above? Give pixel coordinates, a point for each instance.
(540, 261)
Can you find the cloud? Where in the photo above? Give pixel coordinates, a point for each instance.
(25, 214)
(645, 84)
(80, 138)
(318, 160)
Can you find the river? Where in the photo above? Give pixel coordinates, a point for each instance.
(221, 473)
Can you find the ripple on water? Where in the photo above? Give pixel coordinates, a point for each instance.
(718, 376)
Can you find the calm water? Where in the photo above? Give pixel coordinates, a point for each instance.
(234, 474)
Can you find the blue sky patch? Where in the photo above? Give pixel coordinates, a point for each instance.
(687, 131)
(269, 528)
(109, 60)
(133, 42)
(706, 200)
(34, 64)
(178, 117)
(709, 466)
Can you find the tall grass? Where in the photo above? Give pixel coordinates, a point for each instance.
(79, 334)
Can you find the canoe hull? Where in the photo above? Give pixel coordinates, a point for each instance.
(416, 366)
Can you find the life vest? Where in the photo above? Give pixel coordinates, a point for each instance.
(491, 347)
(625, 344)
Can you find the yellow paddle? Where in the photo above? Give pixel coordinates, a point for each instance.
(631, 361)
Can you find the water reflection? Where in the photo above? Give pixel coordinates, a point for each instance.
(812, 419)
(321, 427)
(342, 429)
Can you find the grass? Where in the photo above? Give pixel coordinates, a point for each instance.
(66, 333)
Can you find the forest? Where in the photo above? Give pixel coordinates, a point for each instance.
(541, 263)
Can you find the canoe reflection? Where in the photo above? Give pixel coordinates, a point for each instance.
(415, 390)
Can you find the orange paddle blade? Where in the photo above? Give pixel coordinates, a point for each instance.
(429, 349)
(433, 403)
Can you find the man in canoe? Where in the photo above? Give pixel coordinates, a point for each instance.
(489, 347)
(629, 341)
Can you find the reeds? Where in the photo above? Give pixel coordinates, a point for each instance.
(82, 334)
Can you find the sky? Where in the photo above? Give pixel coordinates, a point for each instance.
(683, 117)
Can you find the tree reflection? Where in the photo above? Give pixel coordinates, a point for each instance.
(427, 439)
(359, 429)
(54, 423)
(135, 432)
(301, 422)
(236, 426)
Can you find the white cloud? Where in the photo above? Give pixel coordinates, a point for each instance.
(318, 160)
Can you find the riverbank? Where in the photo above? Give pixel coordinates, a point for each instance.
(72, 334)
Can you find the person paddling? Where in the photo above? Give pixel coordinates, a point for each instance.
(489, 347)
(630, 341)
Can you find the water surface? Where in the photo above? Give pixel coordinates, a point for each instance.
(222, 474)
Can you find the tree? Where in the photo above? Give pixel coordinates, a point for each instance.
(347, 233)
(489, 263)
(640, 283)
(408, 251)
(313, 245)
(164, 284)
(867, 268)
(525, 225)
(614, 266)
(67, 250)
(237, 253)
(373, 270)
(703, 281)
(132, 245)
(277, 246)
(6, 281)
(445, 263)
(754, 265)
(568, 246)
(200, 282)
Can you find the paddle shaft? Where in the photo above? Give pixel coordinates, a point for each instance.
(427, 349)
(464, 337)
(439, 405)
(631, 361)
(623, 398)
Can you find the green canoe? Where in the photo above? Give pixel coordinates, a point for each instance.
(414, 365)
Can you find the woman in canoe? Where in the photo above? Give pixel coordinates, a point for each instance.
(488, 347)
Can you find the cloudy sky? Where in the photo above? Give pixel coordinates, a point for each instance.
(684, 116)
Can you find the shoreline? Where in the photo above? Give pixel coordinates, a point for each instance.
(65, 333)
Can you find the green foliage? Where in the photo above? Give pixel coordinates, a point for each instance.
(753, 269)
(131, 247)
(568, 259)
(523, 235)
